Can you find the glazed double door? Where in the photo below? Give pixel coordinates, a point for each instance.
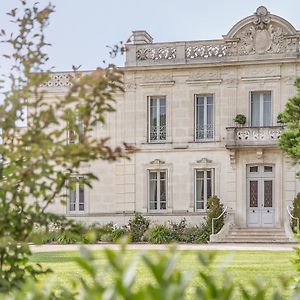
(260, 196)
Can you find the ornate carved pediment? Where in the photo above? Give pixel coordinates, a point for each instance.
(204, 160)
(262, 33)
(157, 162)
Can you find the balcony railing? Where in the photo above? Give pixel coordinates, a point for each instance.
(158, 133)
(253, 136)
(205, 132)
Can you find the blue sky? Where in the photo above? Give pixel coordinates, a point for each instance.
(80, 30)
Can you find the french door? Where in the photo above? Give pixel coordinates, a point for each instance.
(260, 196)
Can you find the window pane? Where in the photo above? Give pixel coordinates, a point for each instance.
(209, 125)
(268, 169)
(209, 189)
(268, 193)
(81, 196)
(199, 189)
(162, 190)
(153, 190)
(253, 193)
(254, 169)
(200, 117)
(163, 175)
(72, 198)
(163, 119)
(153, 119)
(267, 117)
(255, 109)
(153, 175)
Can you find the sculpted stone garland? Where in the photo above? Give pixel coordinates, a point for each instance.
(261, 134)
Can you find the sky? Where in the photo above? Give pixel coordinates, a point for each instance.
(79, 31)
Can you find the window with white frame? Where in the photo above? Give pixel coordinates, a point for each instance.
(261, 109)
(157, 190)
(76, 199)
(157, 119)
(204, 187)
(204, 117)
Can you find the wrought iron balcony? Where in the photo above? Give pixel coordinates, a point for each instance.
(205, 132)
(238, 137)
(158, 133)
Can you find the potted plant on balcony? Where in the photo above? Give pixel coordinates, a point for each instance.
(279, 119)
(240, 119)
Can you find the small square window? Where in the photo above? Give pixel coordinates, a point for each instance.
(268, 169)
(254, 169)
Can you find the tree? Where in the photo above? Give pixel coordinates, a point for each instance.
(289, 141)
(38, 163)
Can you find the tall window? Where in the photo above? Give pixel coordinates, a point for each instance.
(204, 117)
(76, 195)
(157, 114)
(203, 188)
(261, 109)
(158, 190)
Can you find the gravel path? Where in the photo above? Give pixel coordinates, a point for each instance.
(269, 247)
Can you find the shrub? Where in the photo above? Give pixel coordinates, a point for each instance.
(159, 234)
(138, 226)
(240, 119)
(295, 212)
(118, 233)
(100, 230)
(194, 235)
(178, 230)
(214, 210)
(67, 237)
(107, 237)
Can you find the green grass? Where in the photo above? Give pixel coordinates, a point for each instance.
(244, 266)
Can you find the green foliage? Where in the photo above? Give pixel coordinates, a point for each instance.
(107, 237)
(181, 232)
(120, 232)
(240, 119)
(169, 281)
(214, 210)
(295, 212)
(178, 230)
(159, 234)
(138, 225)
(289, 141)
(38, 163)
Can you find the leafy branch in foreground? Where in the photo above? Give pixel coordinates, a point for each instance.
(37, 162)
(289, 141)
(116, 278)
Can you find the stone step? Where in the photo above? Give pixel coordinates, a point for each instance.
(258, 233)
(255, 235)
(256, 241)
(258, 229)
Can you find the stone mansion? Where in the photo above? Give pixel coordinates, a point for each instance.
(178, 109)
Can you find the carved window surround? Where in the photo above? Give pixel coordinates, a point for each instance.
(204, 164)
(158, 165)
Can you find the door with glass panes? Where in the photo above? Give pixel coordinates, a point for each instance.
(260, 196)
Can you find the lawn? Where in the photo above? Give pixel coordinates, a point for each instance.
(242, 265)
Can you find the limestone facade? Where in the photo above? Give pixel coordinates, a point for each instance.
(178, 108)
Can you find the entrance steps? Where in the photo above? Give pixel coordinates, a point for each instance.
(253, 235)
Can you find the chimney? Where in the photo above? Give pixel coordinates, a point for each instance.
(141, 37)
